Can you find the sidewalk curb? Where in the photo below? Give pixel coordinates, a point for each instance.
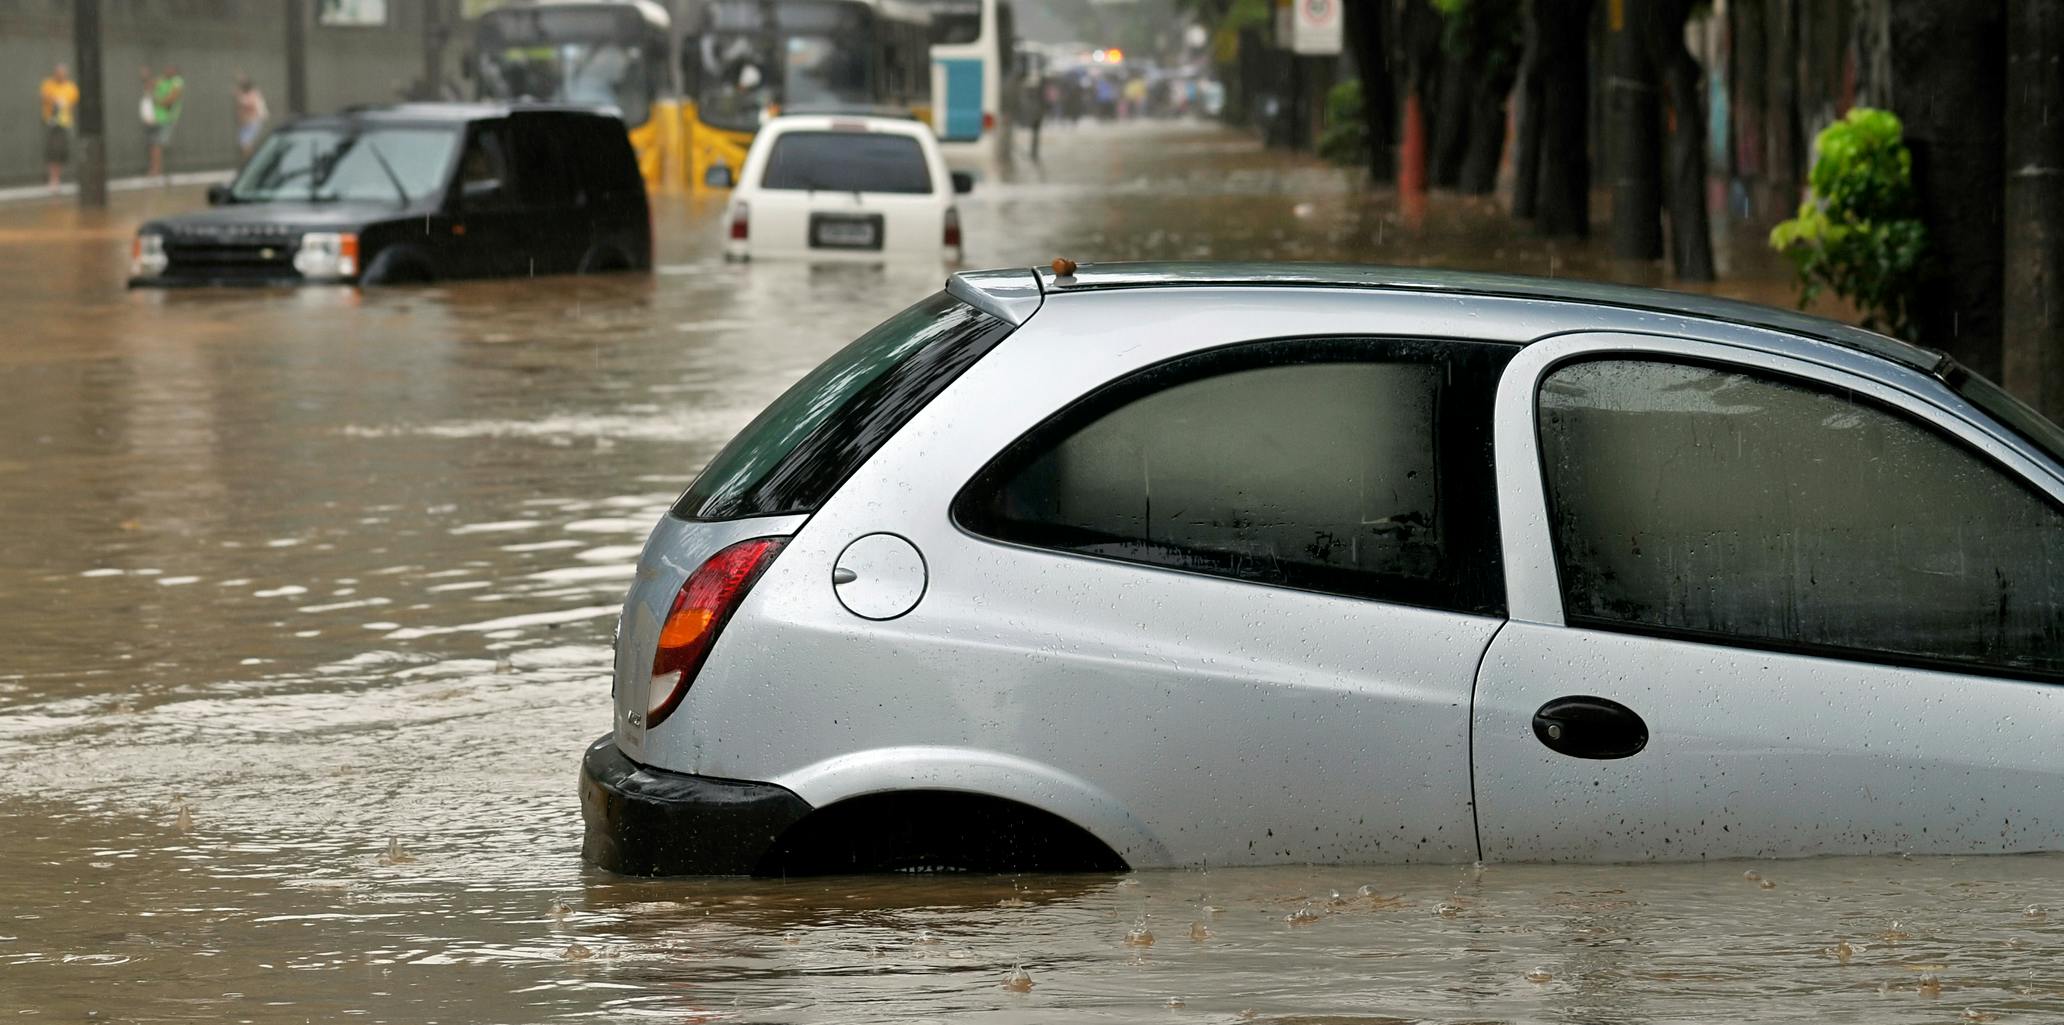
(70, 190)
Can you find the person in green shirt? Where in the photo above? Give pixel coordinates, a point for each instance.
(168, 96)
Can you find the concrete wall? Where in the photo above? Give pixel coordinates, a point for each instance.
(211, 42)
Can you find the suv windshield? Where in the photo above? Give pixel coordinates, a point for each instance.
(801, 448)
(847, 162)
(329, 164)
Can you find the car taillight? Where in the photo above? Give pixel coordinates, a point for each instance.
(701, 609)
(952, 228)
(740, 225)
(988, 121)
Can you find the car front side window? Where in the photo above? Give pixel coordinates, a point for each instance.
(1718, 504)
(1352, 466)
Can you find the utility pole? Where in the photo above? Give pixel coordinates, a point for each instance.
(434, 35)
(89, 120)
(297, 56)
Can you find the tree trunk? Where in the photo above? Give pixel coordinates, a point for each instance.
(1949, 70)
(1691, 245)
(1563, 205)
(1529, 98)
(1748, 52)
(2033, 314)
(1364, 24)
(1487, 124)
(1634, 136)
(1782, 162)
(1452, 110)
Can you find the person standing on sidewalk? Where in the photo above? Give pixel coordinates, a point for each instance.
(60, 97)
(168, 98)
(251, 115)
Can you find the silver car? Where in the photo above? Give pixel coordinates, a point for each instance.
(1189, 565)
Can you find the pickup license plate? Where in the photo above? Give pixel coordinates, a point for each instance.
(832, 231)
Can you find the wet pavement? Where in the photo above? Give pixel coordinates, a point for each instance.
(307, 606)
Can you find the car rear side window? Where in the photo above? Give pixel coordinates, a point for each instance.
(1352, 466)
(1721, 505)
(847, 162)
(801, 448)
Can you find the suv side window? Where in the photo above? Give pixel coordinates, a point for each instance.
(1359, 467)
(1717, 504)
(484, 180)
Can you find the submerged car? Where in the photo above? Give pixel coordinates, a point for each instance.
(843, 187)
(1195, 565)
(414, 192)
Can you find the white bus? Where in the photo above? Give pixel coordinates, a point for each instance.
(972, 84)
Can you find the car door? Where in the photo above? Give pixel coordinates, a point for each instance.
(1765, 605)
(488, 233)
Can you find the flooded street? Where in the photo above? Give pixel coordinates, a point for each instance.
(309, 596)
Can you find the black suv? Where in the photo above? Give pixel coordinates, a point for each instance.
(415, 192)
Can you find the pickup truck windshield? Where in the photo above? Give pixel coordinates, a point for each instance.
(328, 164)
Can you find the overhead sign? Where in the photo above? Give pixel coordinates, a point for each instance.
(1309, 27)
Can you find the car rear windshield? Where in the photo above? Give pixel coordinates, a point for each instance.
(801, 448)
(847, 162)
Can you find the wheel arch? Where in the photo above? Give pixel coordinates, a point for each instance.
(948, 770)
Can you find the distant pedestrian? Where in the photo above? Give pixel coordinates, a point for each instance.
(1032, 109)
(60, 97)
(147, 109)
(168, 99)
(251, 115)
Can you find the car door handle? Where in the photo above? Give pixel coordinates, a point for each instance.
(1582, 726)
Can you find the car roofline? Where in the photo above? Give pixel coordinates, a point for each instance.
(1005, 293)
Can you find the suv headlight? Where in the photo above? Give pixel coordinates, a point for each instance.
(147, 255)
(327, 254)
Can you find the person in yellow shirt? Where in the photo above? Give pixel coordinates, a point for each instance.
(60, 100)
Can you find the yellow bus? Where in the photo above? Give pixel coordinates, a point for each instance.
(749, 60)
(602, 53)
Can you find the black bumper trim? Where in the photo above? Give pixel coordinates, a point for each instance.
(650, 822)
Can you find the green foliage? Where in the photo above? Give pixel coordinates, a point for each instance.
(1488, 34)
(1345, 138)
(1857, 234)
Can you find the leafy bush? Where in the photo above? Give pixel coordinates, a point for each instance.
(1345, 139)
(1857, 234)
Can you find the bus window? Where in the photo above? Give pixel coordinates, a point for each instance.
(956, 21)
(824, 71)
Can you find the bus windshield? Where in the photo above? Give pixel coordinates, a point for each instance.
(333, 164)
(812, 55)
(592, 56)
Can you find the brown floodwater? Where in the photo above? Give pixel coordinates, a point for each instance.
(306, 612)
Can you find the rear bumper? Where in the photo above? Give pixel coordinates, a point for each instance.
(650, 822)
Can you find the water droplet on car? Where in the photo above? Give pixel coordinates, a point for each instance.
(1305, 915)
(1931, 985)
(576, 952)
(2035, 913)
(1766, 884)
(183, 822)
(1139, 936)
(1752, 875)
(395, 854)
(1539, 975)
(1199, 931)
(1018, 981)
(926, 939)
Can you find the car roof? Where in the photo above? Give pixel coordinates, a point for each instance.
(1014, 294)
(835, 121)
